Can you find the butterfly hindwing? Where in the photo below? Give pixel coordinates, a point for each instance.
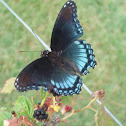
(41, 73)
(67, 27)
(35, 75)
(64, 83)
(81, 54)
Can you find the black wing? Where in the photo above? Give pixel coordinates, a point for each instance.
(67, 27)
(41, 73)
(35, 75)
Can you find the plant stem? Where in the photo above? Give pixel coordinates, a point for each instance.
(86, 107)
(93, 109)
(43, 101)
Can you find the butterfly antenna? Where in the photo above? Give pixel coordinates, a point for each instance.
(37, 39)
(29, 51)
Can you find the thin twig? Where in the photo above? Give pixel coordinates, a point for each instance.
(75, 112)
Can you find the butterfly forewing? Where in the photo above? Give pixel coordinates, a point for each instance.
(67, 27)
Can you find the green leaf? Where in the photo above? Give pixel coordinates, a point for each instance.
(23, 106)
(4, 115)
(9, 86)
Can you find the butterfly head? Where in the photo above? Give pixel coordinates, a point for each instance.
(44, 53)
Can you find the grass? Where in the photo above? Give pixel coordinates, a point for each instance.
(104, 24)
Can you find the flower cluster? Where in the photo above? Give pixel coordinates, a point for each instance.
(51, 110)
(52, 105)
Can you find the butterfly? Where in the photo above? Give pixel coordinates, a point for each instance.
(70, 58)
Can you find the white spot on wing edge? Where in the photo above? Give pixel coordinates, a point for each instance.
(72, 5)
(15, 84)
(17, 79)
(64, 6)
(68, 2)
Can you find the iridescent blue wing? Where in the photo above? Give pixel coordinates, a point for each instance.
(41, 73)
(35, 75)
(64, 83)
(81, 54)
(67, 27)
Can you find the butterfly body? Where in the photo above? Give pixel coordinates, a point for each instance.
(70, 58)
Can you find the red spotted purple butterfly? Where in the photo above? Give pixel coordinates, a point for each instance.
(60, 69)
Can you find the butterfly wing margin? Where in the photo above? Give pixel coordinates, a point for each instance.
(67, 27)
(41, 73)
(81, 54)
(35, 75)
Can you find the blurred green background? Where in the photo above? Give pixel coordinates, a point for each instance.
(104, 24)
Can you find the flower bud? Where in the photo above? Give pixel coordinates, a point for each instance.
(66, 109)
